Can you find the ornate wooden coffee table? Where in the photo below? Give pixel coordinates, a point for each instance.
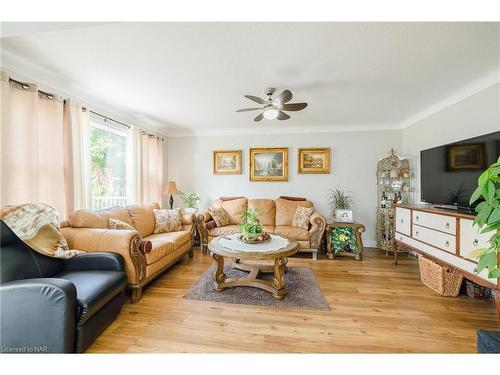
(221, 248)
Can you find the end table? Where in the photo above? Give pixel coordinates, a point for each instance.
(357, 229)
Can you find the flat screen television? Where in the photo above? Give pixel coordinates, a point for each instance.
(449, 173)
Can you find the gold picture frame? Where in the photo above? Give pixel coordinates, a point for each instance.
(226, 162)
(269, 164)
(314, 160)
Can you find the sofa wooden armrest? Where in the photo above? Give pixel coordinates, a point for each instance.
(205, 217)
(190, 221)
(316, 230)
(123, 242)
(201, 219)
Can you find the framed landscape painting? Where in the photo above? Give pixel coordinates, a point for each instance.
(468, 157)
(314, 160)
(269, 164)
(227, 162)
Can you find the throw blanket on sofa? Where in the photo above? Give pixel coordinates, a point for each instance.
(38, 226)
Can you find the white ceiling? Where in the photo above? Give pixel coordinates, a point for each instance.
(191, 77)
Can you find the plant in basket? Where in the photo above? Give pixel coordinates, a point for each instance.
(250, 227)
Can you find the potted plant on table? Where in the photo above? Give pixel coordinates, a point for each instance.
(488, 218)
(190, 201)
(340, 205)
(250, 227)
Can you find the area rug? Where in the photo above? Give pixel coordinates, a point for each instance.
(301, 287)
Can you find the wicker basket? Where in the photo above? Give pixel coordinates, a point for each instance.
(443, 280)
(476, 291)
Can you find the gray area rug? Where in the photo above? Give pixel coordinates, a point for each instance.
(301, 287)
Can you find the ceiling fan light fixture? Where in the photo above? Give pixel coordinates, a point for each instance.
(270, 113)
(273, 109)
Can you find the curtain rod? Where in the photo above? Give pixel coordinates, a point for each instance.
(107, 118)
(26, 86)
(128, 126)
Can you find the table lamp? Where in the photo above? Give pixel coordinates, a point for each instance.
(171, 189)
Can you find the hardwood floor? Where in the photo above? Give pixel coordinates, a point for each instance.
(376, 307)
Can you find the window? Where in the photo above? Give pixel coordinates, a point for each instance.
(108, 153)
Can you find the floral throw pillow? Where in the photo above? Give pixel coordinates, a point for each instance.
(220, 216)
(167, 220)
(302, 216)
(118, 224)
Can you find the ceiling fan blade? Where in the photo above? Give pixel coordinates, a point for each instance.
(256, 99)
(259, 117)
(282, 116)
(284, 97)
(248, 109)
(294, 106)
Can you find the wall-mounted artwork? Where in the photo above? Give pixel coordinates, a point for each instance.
(314, 160)
(227, 162)
(467, 157)
(269, 164)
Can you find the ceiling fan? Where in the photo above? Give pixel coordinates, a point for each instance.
(274, 108)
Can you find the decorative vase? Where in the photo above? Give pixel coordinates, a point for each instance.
(190, 210)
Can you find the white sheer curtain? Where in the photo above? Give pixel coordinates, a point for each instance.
(147, 152)
(31, 147)
(77, 151)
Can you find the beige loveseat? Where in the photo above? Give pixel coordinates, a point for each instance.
(275, 216)
(146, 254)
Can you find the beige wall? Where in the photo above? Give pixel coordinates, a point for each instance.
(354, 160)
(476, 115)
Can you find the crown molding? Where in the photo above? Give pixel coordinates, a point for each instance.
(281, 129)
(53, 81)
(481, 84)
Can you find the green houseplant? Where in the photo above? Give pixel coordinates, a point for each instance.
(488, 218)
(250, 227)
(190, 201)
(340, 204)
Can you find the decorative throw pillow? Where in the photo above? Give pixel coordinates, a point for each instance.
(38, 226)
(118, 224)
(167, 220)
(220, 216)
(301, 217)
(210, 224)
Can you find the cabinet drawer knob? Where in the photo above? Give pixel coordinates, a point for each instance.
(416, 233)
(447, 243)
(402, 221)
(447, 225)
(476, 242)
(416, 218)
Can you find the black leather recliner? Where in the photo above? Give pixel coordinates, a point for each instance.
(54, 305)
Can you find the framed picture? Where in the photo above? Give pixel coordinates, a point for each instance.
(227, 162)
(467, 157)
(269, 164)
(314, 160)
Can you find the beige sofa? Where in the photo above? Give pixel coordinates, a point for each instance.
(146, 254)
(275, 216)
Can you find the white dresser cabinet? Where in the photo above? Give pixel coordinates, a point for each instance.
(403, 223)
(471, 239)
(446, 237)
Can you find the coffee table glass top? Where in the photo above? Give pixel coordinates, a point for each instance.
(232, 242)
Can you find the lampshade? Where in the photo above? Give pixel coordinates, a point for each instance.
(170, 188)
